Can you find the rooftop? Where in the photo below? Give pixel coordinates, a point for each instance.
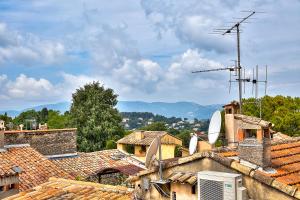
(39, 131)
(285, 163)
(88, 164)
(35, 168)
(148, 137)
(57, 188)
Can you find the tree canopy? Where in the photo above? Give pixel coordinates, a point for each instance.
(283, 112)
(94, 114)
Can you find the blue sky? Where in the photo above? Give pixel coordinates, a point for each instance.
(143, 49)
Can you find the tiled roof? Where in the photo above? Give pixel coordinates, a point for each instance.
(253, 120)
(36, 169)
(6, 167)
(69, 189)
(183, 177)
(88, 164)
(149, 136)
(285, 160)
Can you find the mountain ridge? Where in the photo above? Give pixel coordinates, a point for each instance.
(183, 109)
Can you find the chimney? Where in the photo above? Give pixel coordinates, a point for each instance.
(231, 126)
(256, 150)
(139, 135)
(1, 140)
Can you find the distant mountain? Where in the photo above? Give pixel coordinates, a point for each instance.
(62, 107)
(179, 109)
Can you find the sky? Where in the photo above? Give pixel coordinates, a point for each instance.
(143, 49)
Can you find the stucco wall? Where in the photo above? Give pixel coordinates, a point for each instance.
(47, 142)
(256, 190)
(168, 151)
(183, 191)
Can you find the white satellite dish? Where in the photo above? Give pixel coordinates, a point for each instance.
(151, 152)
(214, 127)
(193, 144)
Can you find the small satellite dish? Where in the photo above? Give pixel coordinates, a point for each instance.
(214, 127)
(151, 152)
(193, 144)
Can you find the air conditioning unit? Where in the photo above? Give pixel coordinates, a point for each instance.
(220, 186)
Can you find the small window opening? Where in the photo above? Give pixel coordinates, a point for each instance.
(194, 189)
(173, 195)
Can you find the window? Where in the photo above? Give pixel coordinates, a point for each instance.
(251, 133)
(1, 188)
(173, 195)
(144, 148)
(194, 189)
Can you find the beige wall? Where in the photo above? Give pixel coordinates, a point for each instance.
(121, 147)
(183, 191)
(138, 151)
(230, 129)
(167, 150)
(255, 189)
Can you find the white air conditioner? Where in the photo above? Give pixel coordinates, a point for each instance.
(220, 186)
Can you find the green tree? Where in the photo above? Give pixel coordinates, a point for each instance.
(283, 112)
(94, 114)
(155, 126)
(56, 120)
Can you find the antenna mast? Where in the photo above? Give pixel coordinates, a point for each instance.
(239, 67)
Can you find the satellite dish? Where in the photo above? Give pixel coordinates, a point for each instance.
(193, 144)
(151, 152)
(214, 127)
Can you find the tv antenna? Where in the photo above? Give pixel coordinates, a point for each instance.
(238, 67)
(150, 157)
(255, 82)
(213, 132)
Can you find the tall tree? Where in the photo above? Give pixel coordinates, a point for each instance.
(94, 114)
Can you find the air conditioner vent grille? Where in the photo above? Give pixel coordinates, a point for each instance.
(211, 190)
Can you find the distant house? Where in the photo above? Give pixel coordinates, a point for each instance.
(2, 125)
(138, 143)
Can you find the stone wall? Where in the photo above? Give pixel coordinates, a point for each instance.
(256, 152)
(47, 142)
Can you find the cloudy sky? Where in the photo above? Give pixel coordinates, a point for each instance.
(143, 49)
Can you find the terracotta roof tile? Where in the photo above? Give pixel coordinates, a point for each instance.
(69, 189)
(36, 169)
(183, 177)
(88, 164)
(149, 136)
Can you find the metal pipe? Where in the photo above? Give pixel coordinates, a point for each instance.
(160, 163)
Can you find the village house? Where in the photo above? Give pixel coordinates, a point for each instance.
(268, 162)
(106, 167)
(138, 143)
(57, 188)
(2, 125)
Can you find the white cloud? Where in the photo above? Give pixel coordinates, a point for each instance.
(28, 49)
(27, 89)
